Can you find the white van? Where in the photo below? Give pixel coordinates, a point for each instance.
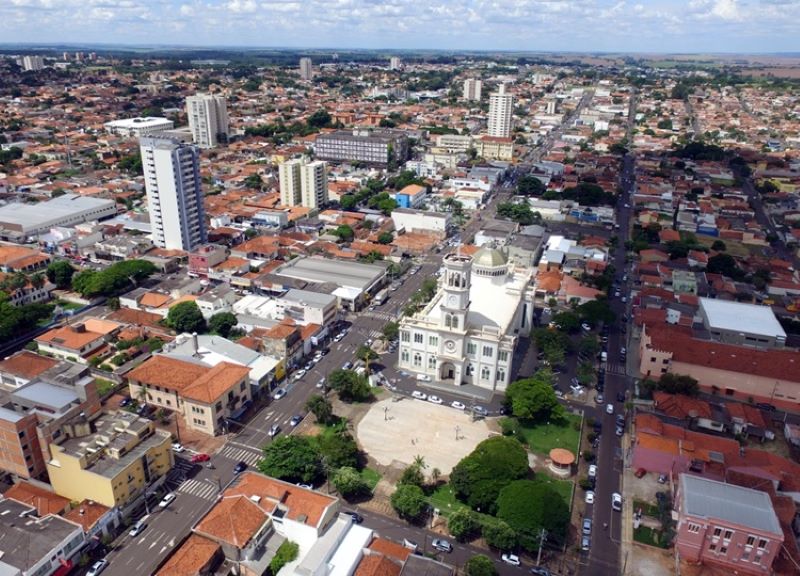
(603, 356)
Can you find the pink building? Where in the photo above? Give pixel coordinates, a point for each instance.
(726, 525)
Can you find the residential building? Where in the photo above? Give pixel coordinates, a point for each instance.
(35, 545)
(218, 299)
(174, 194)
(495, 148)
(378, 146)
(467, 333)
(726, 526)
(453, 143)
(77, 342)
(472, 89)
(411, 196)
(303, 183)
(395, 63)
(205, 257)
(20, 222)
(205, 396)
(742, 324)
(138, 127)
(112, 459)
(410, 220)
(290, 182)
(306, 69)
(208, 119)
(501, 107)
(32, 63)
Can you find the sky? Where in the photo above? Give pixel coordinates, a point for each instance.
(743, 26)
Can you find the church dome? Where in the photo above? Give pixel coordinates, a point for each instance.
(489, 258)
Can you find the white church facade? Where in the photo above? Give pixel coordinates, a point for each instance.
(467, 333)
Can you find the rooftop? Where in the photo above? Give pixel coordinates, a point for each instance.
(339, 272)
(190, 558)
(740, 317)
(45, 501)
(34, 215)
(714, 500)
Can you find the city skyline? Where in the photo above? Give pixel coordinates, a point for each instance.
(719, 26)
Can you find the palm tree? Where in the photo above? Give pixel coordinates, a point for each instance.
(435, 475)
(419, 462)
(37, 280)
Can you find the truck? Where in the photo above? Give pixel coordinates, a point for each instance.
(381, 297)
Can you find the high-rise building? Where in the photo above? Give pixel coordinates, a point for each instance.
(174, 195)
(208, 119)
(306, 69)
(472, 89)
(32, 63)
(303, 183)
(395, 63)
(501, 105)
(314, 184)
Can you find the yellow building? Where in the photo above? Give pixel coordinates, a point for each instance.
(110, 460)
(494, 148)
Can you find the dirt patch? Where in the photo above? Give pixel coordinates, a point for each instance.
(649, 561)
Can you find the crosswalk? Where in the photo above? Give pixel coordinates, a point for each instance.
(615, 368)
(205, 489)
(250, 457)
(378, 315)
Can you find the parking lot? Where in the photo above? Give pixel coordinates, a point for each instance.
(393, 431)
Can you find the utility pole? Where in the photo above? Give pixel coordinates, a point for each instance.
(542, 538)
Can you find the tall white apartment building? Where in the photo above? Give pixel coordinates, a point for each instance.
(32, 63)
(208, 119)
(174, 195)
(303, 183)
(501, 105)
(472, 89)
(306, 70)
(395, 63)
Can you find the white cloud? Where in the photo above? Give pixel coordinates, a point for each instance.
(726, 10)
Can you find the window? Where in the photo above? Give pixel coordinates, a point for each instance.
(404, 356)
(455, 322)
(470, 369)
(472, 348)
(717, 532)
(762, 544)
(713, 547)
(433, 340)
(728, 534)
(488, 351)
(447, 322)
(502, 356)
(652, 359)
(405, 337)
(723, 550)
(418, 338)
(417, 359)
(432, 362)
(230, 395)
(218, 406)
(501, 375)
(242, 385)
(751, 540)
(746, 556)
(693, 528)
(485, 373)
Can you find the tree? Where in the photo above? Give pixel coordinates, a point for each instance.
(518, 212)
(254, 181)
(391, 330)
(534, 399)
(349, 483)
(463, 524)
(60, 273)
(385, 238)
(366, 353)
(724, 264)
(588, 346)
(319, 119)
(478, 478)
(498, 534)
(409, 501)
(286, 552)
(37, 280)
(718, 246)
(678, 384)
(222, 323)
(567, 321)
(528, 507)
(412, 475)
(113, 303)
(291, 458)
(322, 409)
(113, 280)
(530, 186)
(338, 450)
(350, 386)
(348, 202)
(345, 233)
(480, 565)
(186, 317)
(596, 311)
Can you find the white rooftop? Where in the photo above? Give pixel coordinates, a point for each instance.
(146, 122)
(35, 215)
(739, 317)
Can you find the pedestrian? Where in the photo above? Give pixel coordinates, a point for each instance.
(605, 525)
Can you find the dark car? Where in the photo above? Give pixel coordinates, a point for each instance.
(620, 396)
(539, 571)
(125, 401)
(765, 406)
(357, 518)
(240, 467)
(597, 426)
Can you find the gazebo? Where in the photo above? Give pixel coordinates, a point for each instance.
(561, 461)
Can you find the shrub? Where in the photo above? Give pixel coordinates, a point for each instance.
(287, 552)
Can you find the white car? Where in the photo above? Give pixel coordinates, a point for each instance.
(589, 498)
(512, 559)
(592, 470)
(299, 374)
(609, 408)
(434, 399)
(423, 378)
(177, 447)
(167, 500)
(321, 382)
(616, 501)
(279, 393)
(586, 327)
(458, 405)
(97, 567)
(419, 395)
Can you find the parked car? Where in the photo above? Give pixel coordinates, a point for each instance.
(599, 398)
(347, 365)
(616, 501)
(540, 571)
(122, 403)
(419, 395)
(458, 405)
(423, 378)
(620, 396)
(299, 374)
(167, 500)
(586, 326)
(321, 382)
(442, 545)
(357, 518)
(240, 467)
(587, 526)
(640, 472)
(619, 431)
(410, 544)
(512, 559)
(609, 408)
(592, 470)
(480, 411)
(177, 447)
(434, 399)
(97, 567)
(586, 543)
(279, 393)
(589, 497)
(138, 528)
(662, 479)
(200, 458)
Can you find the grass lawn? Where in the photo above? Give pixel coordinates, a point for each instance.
(563, 487)
(104, 386)
(541, 438)
(647, 508)
(65, 305)
(444, 499)
(645, 535)
(371, 477)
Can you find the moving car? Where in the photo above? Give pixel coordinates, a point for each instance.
(167, 500)
(274, 430)
(97, 567)
(200, 458)
(616, 501)
(480, 411)
(321, 382)
(240, 467)
(295, 420)
(419, 395)
(442, 545)
(138, 528)
(279, 393)
(512, 559)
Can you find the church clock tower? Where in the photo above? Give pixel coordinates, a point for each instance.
(456, 283)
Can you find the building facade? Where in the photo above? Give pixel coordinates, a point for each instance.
(395, 63)
(306, 69)
(472, 89)
(468, 332)
(501, 107)
(208, 119)
(289, 176)
(174, 193)
(138, 127)
(375, 147)
(303, 183)
(32, 63)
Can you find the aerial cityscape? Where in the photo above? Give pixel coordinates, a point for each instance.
(367, 288)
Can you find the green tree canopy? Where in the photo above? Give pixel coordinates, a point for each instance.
(348, 202)
(596, 311)
(291, 458)
(222, 323)
(60, 273)
(480, 565)
(349, 483)
(319, 119)
(350, 386)
(568, 321)
(16, 321)
(339, 450)
(186, 317)
(463, 524)
(478, 478)
(534, 399)
(409, 501)
(724, 264)
(345, 232)
(385, 238)
(678, 384)
(528, 507)
(112, 280)
(498, 534)
(322, 409)
(519, 212)
(530, 186)
(391, 330)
